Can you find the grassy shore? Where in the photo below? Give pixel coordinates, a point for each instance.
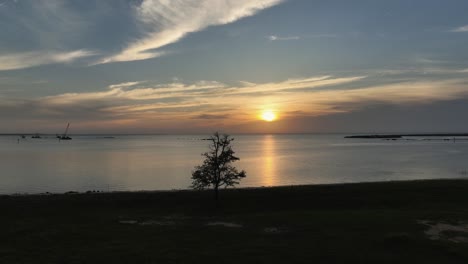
(350, 223)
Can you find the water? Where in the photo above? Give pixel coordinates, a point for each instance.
(165, 162)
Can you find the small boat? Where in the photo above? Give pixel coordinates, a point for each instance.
(65, 136)
(36, 136)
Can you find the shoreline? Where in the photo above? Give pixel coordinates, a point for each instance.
(396, 136)
(247, 188)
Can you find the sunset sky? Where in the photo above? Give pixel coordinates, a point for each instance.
(180, 66)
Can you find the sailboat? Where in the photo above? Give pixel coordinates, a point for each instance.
(65, 136)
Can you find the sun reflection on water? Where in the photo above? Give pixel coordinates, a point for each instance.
(269, 156)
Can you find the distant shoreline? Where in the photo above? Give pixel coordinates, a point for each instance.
(409, 135)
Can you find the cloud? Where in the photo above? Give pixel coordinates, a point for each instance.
(309, 36)
(157, 92)
(123, 85)
(274, 37)
(167, 22)
(203, 100)
(210, 102)
(201, 89)
(211, 116)
(398, 93)
(306, 94)
(460, 29)
(292, 85)
(23, 60)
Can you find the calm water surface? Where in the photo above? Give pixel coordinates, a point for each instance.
(165, 162)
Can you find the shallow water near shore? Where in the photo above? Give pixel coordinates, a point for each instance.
(165, 162)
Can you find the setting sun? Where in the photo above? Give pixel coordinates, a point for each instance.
(268, 116)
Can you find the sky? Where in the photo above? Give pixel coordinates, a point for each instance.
(199, 66)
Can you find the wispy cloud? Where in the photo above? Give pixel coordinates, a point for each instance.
(460, 29)
(299, 37)
(211, 116)
(119, 93)
(205, 89)
(123, 85)
(167, 22)
(274, 37)
(210, 102)
(398, 93)
(292, 85)
(23, 60)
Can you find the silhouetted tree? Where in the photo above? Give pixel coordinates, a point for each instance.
(216, 170)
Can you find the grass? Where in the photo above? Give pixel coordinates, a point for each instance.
(350, 223)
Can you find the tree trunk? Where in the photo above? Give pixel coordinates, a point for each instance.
(216, 192)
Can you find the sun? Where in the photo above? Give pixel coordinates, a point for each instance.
(268, 116)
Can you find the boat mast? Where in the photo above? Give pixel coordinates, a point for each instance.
(66, 130)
